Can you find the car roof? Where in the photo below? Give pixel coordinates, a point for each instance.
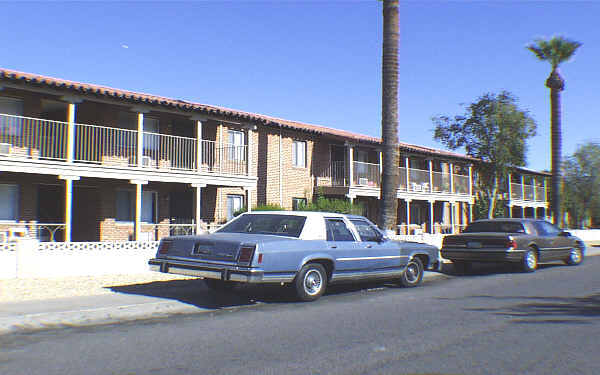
(515, 219)
(301, 213)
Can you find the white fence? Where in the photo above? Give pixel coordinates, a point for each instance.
(32, 259)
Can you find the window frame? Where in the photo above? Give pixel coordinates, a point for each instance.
(296, 201)
(131, 196)
(236, 151)
(330, 237)
(295, 153)
(15, 199)
(232, 210)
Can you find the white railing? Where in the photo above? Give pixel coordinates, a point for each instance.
(164, 151)
(418, 180)
(528, 192)
(104, 145)
(461, 184)
(366, 174)
(402, 179)
(441, 182)
(33, 138)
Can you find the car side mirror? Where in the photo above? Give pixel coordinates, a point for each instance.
(564, 234)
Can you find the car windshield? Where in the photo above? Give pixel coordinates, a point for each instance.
(280, 225)
(495, 226)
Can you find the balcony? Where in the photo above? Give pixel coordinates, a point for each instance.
(415, 181)
(46, 140)
(532, 193)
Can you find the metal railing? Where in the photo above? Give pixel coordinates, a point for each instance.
(402, 179)
(338, 173)
(418, 180)
(441, 182)
(33, 138)
(461, 184)
(46, 139)
(528, 192)
(44, 232)
(104, 145)
(366, 174)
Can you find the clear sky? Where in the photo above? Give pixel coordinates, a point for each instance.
(319, 61)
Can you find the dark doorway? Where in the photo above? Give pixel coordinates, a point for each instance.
(181, 207)
(86, 204)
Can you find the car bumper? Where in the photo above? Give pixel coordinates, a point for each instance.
(484, 256)
(216, 271)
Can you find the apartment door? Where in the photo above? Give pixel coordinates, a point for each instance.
(50, 210)
(86, 207)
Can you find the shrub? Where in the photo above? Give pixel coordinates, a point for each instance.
(262, 207)
(333, 205)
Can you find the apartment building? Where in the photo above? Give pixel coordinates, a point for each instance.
(83, 162)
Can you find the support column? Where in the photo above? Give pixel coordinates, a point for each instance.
(68, 204)
(408, 215)
(430, 176)
(407, 170)
(380, 166)
(198, 188)
(350, 198)
(249, 152)
(220, 151)
(452, 180)
(140, 139)
(470, 213)
(138, 208)
(523, 211)
(71, 134)
(431, 217)
(522, 187)
(509, 187)
(351, 164)
(248, 199)
(470, 187)
(510, 208)
(199, 145)
(452, 218)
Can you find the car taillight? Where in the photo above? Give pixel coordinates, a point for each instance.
(164, 246)
(511, 244)
(246, 253)
(260, 256)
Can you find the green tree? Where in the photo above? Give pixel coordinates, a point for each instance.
(494, 131)
(389, 115)
(582, 184)
(555, 51)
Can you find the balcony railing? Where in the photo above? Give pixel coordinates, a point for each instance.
(366, 174)
(338, 173)
(528, 192)
(441, 182)
(418, 180)
(115, 147)
(461, 184)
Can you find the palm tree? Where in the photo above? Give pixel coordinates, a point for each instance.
(389, 115)
(556, 51)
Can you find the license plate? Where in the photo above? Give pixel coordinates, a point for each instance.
(474, 245)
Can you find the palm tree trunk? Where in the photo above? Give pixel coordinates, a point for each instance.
(389, 115)
(556, 85)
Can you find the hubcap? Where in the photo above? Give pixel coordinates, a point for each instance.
(531, 260)
(313, 282)
(412, 272)
(575, 255)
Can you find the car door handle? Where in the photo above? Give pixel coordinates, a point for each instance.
(369, 246)
(333, 247)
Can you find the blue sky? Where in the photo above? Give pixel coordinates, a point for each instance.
(319, 61)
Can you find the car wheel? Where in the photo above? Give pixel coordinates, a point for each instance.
(530, 261)
(412, 274)
(576, 256)
(311, 282)
(219, 285)
(461, 266)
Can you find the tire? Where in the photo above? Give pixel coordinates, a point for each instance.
(530, 261)
(412, 274)
(219, 285)
(462, 266)
(311, 282)
(576, 256)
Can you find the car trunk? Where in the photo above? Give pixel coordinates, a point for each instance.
(477, 241)
(208, 248)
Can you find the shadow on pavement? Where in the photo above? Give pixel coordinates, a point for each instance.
(542, 310)
(485, 269)
(195, 292)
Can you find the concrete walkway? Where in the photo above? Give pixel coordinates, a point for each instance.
(34, 304)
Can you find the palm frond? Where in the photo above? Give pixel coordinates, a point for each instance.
(556, 50)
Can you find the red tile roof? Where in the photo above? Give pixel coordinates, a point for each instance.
(136, 97)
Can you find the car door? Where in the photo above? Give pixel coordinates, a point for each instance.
(381, 254)
(552, 246)
(342, 245)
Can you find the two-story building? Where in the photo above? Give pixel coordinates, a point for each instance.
(83, 162)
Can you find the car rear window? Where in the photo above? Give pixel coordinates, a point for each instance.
(280, 225)
(495, 226)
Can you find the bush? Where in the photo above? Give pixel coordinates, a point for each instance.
(333, 205)
(262, 207)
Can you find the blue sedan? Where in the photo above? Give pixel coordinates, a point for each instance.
(309, 250)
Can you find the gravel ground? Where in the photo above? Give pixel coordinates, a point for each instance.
(18, 290)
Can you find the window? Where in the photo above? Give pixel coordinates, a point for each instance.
(236, 145)
(234, 203)
(10, 126)
(9, 198)
(297, 203)
(544, 228)
(281, 225)
(338, 231)
(299, 154)
(366, 231)
(126, 206)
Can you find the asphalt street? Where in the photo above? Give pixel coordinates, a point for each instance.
(495, 321)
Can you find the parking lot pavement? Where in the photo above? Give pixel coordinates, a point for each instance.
(33, 304)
